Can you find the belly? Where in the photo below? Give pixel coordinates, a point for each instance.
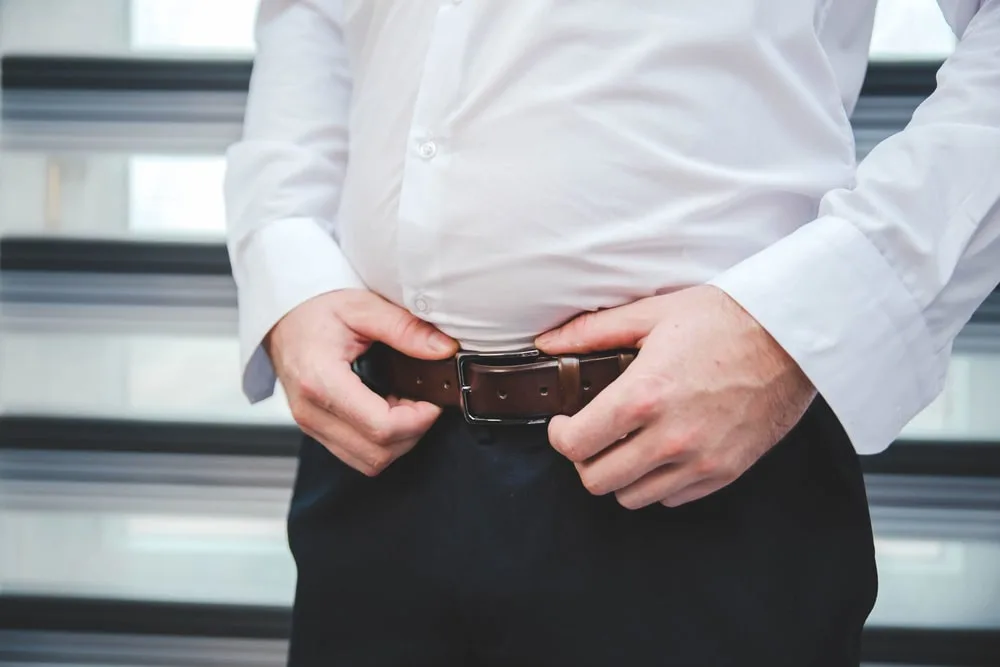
(576, 179)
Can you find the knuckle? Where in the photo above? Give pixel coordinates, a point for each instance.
(719, 468)
(668, 450)
(377, 432)
(729, 471)
(629, 501)
(570, 451)
(645, 398)
(573, 452)
(307, 388)
(559, 442)
(379, 462)
(682, 443)
(708, 466)
(300, 414)
(643, 408)
(593, 484)
(310, 390)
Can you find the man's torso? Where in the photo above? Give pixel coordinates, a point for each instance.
(513, 164)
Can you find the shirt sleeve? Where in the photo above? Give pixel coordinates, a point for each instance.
(869, 297)
(284, 176)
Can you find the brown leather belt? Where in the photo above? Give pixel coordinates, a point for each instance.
(501, 388)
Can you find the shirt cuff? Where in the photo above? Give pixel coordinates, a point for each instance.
(280, 266)
(833, 302)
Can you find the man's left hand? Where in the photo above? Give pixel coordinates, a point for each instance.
(709, 393)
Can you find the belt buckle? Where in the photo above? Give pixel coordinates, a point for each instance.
(462, 358)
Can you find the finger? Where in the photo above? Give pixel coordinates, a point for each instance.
(625, 462)
(694, 492)
(407, 402)
(350, 446)
(624, 326)
(654, 486)
(611, 415)
(346, 396)
(377, 319)
(340, 452)
(390, 455)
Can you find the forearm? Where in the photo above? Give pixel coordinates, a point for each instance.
(869, 298)
(284, 176)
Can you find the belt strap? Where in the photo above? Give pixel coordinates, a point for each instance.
(518, 387)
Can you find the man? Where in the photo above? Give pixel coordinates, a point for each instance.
(591, 180)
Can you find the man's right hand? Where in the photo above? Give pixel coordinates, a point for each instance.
(312, 349)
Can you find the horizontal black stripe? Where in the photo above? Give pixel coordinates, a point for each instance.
(54, 72)
(954, 648)
(900, 79)
(45, 433)
(43, 72)
(950, 648)
(57, 614)
(937, 458)
(82, 255)
(148, 437)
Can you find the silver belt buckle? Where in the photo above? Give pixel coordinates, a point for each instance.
(462, 358)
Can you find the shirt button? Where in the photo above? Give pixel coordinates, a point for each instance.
(427, 150)
(421, 305)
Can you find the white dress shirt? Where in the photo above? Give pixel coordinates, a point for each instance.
(497, 167)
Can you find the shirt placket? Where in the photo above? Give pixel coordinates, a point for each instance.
(423, 194)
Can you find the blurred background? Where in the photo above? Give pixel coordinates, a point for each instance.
(142, 501)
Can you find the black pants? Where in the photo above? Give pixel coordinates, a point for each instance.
(481, 547)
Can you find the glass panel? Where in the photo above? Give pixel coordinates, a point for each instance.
(219, 545)
(64, 193)
(193, 25)
(64, 369)
(964, 410)
(193, 28)
(904, 29)
(911, 30)
(106, 547)
(930, 583)
(177, 195)
(113, 195)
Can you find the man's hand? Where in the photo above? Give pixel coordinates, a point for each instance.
(709, 393)
(312, 349)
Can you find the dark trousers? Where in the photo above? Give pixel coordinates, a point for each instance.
(481, 547)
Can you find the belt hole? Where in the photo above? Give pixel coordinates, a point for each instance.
(586, 385)
(420, 380)
(447, 385)
(544, 391)
(502, 394)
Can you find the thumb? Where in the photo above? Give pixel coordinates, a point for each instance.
(621, 327)
(379, 320)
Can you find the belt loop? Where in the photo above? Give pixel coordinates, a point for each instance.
(570, 384)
